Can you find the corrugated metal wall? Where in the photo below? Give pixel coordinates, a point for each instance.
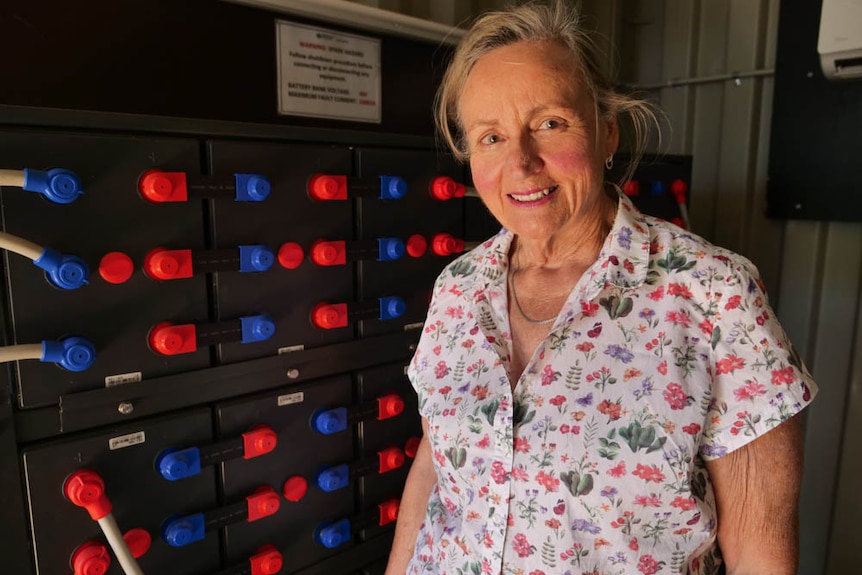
(813, 270)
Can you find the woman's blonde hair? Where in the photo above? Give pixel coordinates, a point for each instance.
(554, 21)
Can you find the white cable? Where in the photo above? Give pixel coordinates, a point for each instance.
(471, 193)
(20, 246)
(12, 178)
(24, 351)
(683, 211)
(118, 545)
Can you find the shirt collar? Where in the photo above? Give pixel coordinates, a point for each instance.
(623, 260)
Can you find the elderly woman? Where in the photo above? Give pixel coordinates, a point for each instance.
(601, 392)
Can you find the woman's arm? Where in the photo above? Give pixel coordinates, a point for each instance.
(757, 495)
(414, 501)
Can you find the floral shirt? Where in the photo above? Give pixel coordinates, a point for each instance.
(665, 354)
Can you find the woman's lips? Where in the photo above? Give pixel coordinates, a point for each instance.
(534, 198)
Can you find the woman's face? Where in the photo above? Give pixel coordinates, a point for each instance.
(537, 146)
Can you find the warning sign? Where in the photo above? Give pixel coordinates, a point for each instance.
(327, 74)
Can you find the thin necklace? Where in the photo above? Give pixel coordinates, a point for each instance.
(527, 318)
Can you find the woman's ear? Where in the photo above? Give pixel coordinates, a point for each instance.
(612, 136)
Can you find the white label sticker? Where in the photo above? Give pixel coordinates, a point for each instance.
(416, 325)
(327, 74)
(126, 440)
(121, 378)
(291, 398)
(290, 349)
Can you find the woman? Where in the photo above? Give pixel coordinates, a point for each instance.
(601, 392)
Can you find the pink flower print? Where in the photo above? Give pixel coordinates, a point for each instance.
(618, 470)
(558, 400)
(683, 503)
(750, 390)
(537, 572)
(611, 409)
(549, 376)
(484, 443)
(651, 500)
(783, 376)
(549, 482)
(479, 392)
(691, 428)
(589, 309)
(455, 312)
(657, 294)
(522, 547)
(553, 523)
(585, 347)
(445, 390)
(521, 445)
(437, 349)
(649, 566)
(733, 302)
(675, 396)
(498, 473)
(662, 368)
(651, 473)
(519, 473)
(468, 343)
(729, 364)
(441, 370)
(706, 327)
(678, 318)
(679, 290)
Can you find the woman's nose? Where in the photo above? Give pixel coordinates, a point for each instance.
(526, 158)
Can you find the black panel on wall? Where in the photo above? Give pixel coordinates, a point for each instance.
(815, 145)
(191, 59)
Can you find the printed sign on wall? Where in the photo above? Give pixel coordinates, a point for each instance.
(327, 74)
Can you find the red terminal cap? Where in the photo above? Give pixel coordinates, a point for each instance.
(417, 245)
(411, 448)
(162, 264)
(116, 267)
(169, 339)
(446, 244)
(679, 189)
(138, 541)
(157, 186)
(91, 558)
(389, 511)
(290, 255)
(445, 188)
(86, 489)
(389, 405)
(267, 561)
(259, 441)
(390, 458)
(325, 253)
(329, 315)
(322, 187)
(632, 188)
(295, 488)
(678, 222)
(262, 503)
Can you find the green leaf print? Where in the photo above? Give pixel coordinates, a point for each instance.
(617, 307)
(457, 456)
(608, 449)
(716, 337)
(675, 263)
(638, 437)
(549, 553)
(474, 424)
(463, 267)
(489, 409)
(576, 483)
(522, 415)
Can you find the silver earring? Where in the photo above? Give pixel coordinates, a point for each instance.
(609, 163)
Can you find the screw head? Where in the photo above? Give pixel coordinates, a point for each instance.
(292, 373)
(126, 407)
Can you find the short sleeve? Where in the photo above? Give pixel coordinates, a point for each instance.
(758, 379)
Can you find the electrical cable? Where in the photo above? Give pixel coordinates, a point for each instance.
(19, 352)
(121, 549)
(21, 246)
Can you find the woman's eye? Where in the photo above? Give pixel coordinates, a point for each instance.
(550, 124)
(490, 139)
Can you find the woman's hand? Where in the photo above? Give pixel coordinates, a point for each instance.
(757, 495)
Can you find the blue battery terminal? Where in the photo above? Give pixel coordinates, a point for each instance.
(63, 271)
(391, 307)
(257, 328)
(59, 185)
(332, 534)
(392, 188)
(331, 479)
(329, 421)
(657, 188)
(389, 249)
(72, 353)
(175, 464)
(252, 187)
(255, 258)
(181, 531)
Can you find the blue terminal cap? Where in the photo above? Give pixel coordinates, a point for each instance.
(331, 534)
(391, 307)
(255, 258)
(181, 531)
(334, 478)
(63, 271)
(657, 188)
(58, 185)
(257, 328)
(392, 188)
(329, 421)
(175, 464)
(252, 188)
(72, 353)
(389, 249)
